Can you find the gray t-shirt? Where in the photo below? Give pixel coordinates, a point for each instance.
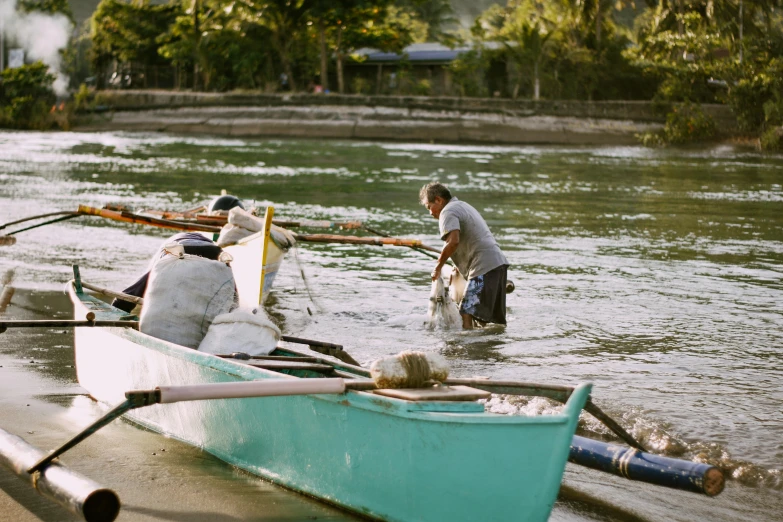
(477, 252)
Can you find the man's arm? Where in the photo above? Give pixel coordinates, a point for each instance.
(452, 241)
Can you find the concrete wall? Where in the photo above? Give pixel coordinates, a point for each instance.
(442, 119)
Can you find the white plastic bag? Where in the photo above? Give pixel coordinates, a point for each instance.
(247, 331)
(442, 311)
(184, 294)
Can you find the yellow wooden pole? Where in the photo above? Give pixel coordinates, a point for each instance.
(270, 212)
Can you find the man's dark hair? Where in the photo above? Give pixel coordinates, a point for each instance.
(430, 191)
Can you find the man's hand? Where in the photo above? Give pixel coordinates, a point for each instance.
(452, 240)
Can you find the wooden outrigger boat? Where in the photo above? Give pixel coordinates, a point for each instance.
(379, 456)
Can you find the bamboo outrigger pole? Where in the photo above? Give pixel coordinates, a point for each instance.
(71, 490)
(352, 240)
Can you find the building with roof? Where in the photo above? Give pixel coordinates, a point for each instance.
(421, 68)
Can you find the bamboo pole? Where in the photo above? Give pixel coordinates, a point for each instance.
(427, 252)
(128, 217)
(64, 323)
(71, 490)
(352, 240)
(39, 216)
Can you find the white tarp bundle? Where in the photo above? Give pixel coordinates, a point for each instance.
(442, 312)
(246, 331)
(242, 223)
(184, 294)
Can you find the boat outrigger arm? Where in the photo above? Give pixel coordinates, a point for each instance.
(228, 390)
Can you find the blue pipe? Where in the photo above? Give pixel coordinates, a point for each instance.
(646, 467)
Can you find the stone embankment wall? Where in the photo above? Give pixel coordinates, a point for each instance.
(407, 118)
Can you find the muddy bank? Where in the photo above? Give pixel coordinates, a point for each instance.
(451, 120)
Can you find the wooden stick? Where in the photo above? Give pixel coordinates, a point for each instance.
(127, 217)
(39, 216)
(57, 220)
(64, 323)
(310, 342)
(222, 218)
(426, 252)
(112, 293)
(5, 297)
(352, 240)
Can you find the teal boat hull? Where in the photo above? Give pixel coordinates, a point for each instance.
(378, 456)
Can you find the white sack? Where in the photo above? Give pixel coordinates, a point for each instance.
(442, 312)
(243, 218)
(230, 234)
(390, 372)
(184, 294)
(247, 331)
(242, 223)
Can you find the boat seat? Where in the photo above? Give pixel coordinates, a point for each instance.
(435, 393)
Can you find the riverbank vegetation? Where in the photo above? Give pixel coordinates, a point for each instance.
(678, 53)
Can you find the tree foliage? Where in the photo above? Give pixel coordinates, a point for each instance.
(677, 52)
(26, 96)
(128, 32)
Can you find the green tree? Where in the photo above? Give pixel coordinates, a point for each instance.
(363, 24)
(436, 15)
(128, 32)
(524, 27)
(25, 96)
(47, 6)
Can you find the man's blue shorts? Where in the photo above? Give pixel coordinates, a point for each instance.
(485, 296)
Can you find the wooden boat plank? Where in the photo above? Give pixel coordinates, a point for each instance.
(283, 365)
(436, 393)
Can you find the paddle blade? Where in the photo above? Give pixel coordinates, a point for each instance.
(7, 240)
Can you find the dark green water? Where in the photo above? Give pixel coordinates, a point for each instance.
(657, 275)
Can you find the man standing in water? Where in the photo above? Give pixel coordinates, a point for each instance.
(473, 248)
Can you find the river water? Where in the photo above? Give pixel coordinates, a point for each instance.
(655, 274)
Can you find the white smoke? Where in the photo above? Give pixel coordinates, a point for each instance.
(41, 35)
